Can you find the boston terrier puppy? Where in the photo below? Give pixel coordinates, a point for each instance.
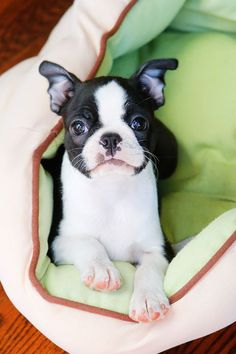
(114, 150)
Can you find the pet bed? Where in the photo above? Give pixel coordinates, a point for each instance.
(198, 200)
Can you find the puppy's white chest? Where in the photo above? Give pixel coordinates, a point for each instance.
(119, 211)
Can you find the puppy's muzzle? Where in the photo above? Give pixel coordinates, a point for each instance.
(110, 142)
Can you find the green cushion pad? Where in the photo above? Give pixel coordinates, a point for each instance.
(198, 15)
(200, 110)
(45, 219)
(198, 252)
(64, 281)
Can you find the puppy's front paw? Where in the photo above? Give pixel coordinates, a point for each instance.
(102, 277)
(148, 306)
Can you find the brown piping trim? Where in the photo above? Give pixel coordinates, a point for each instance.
(106, 36)
(188, 286)
(35, 212)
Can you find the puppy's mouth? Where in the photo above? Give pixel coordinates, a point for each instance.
(112, 164)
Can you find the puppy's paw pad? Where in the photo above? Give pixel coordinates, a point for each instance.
(154, 315)
(102, 285)
(115, 285)
(148, 307)
(102, 277)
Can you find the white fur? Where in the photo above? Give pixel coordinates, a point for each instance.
(110, 100)
(119, 211)
(114, 215)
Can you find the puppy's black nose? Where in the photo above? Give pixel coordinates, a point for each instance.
(110, 143)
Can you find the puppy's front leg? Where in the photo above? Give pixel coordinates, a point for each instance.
(149, 301)
(90, 257)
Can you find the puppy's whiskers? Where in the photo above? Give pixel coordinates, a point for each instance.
(76, 157)
(75, 149)
(148, 155)
(80, 165)
(78, 162)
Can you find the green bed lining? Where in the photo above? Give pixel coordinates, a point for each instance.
(206, 15)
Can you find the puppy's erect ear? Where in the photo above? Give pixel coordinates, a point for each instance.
(61, 84)
(150, 79)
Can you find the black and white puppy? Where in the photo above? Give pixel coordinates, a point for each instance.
(110, 205)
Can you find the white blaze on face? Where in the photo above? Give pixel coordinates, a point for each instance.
(110, 100)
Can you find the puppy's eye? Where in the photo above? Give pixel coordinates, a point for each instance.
(78, 127)
(139, 124)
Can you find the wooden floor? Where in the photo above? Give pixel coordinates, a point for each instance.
(17, 335)
(24, 27)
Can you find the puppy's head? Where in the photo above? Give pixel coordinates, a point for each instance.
(109, 121)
